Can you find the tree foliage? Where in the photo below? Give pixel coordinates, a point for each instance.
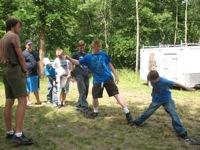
(62, 23)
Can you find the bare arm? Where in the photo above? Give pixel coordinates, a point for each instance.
(39, 68)
(21, 59)
(184, 87)
(114, 72)
(73, 61)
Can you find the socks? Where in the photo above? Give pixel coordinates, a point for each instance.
(126, 110)
(96, 110)
(10, 132)
(18, 134)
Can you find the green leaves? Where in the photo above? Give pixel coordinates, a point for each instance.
(65, 22)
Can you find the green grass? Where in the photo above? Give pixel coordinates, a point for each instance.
(57, 129)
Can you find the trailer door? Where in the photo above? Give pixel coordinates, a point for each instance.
(170, 66)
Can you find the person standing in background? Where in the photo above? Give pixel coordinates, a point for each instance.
(14, 79)
(82, 78)
(32, 65)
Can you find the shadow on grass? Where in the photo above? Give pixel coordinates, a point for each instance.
(53, 128)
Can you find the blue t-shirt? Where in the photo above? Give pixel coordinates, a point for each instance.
(98, 64)
(160, 91)
(49, 71)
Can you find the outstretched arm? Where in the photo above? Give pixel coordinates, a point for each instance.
(184, 87)
(73, 61)
(114, 72)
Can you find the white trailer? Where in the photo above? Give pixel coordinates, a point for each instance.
(179, 64)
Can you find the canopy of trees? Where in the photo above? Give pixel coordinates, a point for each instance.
(53, 24)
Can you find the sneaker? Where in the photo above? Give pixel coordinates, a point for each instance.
(94, 115)
(59, 105)
(129, 119)
(22, 140)
(63, 105)
(48, 102)
(55, 105)
(10, 136)
(86, 114)
(184, 136)
(78, 109)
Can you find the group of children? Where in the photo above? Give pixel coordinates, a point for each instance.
(58, 73)
(101, 67)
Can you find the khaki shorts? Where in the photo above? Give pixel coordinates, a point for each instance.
(14, 82)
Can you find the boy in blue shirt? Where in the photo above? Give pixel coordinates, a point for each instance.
(51, 74)
(100, 65)
(161, 96)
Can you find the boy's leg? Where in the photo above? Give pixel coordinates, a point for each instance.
(49, 91)
(97, 92)
(176, 123)
(37, 96)
(84, 94)
(55, 96)
(64, 95)
(95, 104)
(82, 103)
(8, 114)
(120, 100)
(65, 91)
(79, 86)
(20, 113)
(147, 113)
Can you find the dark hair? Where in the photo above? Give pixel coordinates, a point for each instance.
(81, 43)
(11, 22)
(153, 75)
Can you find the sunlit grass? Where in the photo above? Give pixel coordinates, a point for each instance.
(53, 128)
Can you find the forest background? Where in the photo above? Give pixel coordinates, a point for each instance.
(124, 26)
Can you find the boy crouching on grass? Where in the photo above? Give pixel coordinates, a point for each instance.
(51, 74)
(161, 96)
(100, 65)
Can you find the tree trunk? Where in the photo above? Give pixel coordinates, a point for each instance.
(186, 5)
(42, 48)
(176, 28)
(138, 37)
(106, 26)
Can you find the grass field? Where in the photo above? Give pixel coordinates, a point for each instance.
(63, 129)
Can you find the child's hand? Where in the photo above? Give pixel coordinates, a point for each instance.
(66, 57)
(116, 79)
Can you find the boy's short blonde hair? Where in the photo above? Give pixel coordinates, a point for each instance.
(96, 42)
(59, 52)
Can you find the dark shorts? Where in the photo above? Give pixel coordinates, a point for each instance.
(111, 88)
(14, 82)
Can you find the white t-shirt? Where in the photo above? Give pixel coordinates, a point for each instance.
(62, 66)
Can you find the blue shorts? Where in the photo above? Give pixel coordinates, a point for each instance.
(32, 84)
